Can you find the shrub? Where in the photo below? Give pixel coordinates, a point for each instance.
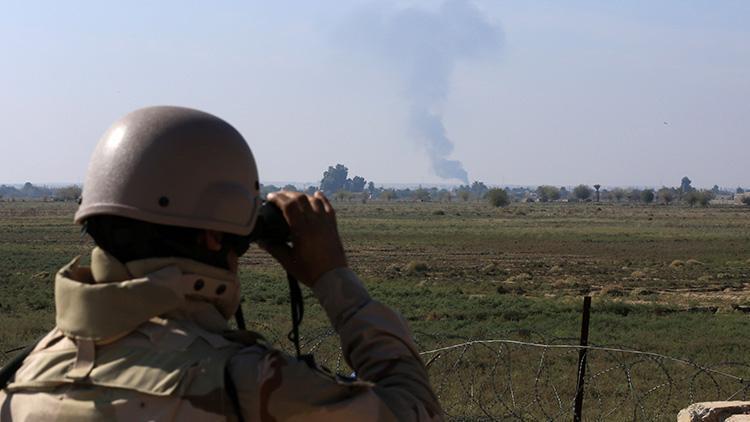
(694, 197)
(666, 195)
(416, 267)
(617, 194)
(691, 198)
(634, 195)
(497, 197)
(647, 196)
(705, 197)
(421, 194)
(746, 200)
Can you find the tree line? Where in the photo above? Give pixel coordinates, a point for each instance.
(337, 184)
(30, 191)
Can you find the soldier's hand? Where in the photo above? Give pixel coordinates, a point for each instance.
(316, 245)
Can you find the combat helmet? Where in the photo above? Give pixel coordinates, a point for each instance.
(173, 166)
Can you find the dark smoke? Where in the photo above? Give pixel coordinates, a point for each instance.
(423, 46)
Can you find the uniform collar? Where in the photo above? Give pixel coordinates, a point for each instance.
(110, 299)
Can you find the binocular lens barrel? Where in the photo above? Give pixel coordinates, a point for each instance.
(271, 226)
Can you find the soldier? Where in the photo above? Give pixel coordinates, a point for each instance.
(142, 334)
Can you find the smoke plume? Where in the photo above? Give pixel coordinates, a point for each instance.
(423, 46)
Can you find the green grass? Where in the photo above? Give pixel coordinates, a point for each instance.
(460, 271)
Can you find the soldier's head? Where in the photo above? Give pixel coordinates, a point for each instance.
(171, 181)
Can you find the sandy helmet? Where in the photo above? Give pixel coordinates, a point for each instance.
(174, 166)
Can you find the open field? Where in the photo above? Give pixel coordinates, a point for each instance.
(670, 280)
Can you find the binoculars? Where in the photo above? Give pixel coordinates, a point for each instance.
(271, 226)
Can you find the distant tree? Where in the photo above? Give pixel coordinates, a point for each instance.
(266, 189)
(444, 195)
(740, 190)
(68, 193)
(582, 192)
(32, 191)
(497, 197)
(311, 190)
(633, 195)
(463, 194)
(746, 200)
(357, 184)
(691, 198)
(597, 186)
(479, 189)
(685, 185)
(564, 194)
(647, 196)
(403, 193)
(666, 195)
(617, 194)
(695, 197)
(547, 193)
(705, 197)
(9, 191)
(421, 194)
(290, 188)
(334, 179)
(388, 194)
(371, 188)
(715, 190)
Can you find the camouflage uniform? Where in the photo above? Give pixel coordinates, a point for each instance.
(149, 340)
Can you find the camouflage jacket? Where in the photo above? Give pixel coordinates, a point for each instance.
(149, 340)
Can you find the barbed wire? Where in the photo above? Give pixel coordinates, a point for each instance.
(534, 378)
(659, 378)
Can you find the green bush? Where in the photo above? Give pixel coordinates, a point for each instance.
(666, 195)
(695, 197)
(497, 197)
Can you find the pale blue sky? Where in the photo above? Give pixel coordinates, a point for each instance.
(574, 92)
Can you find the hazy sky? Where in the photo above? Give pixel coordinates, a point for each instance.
(528, 92)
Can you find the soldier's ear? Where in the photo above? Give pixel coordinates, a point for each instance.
(212, 240)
